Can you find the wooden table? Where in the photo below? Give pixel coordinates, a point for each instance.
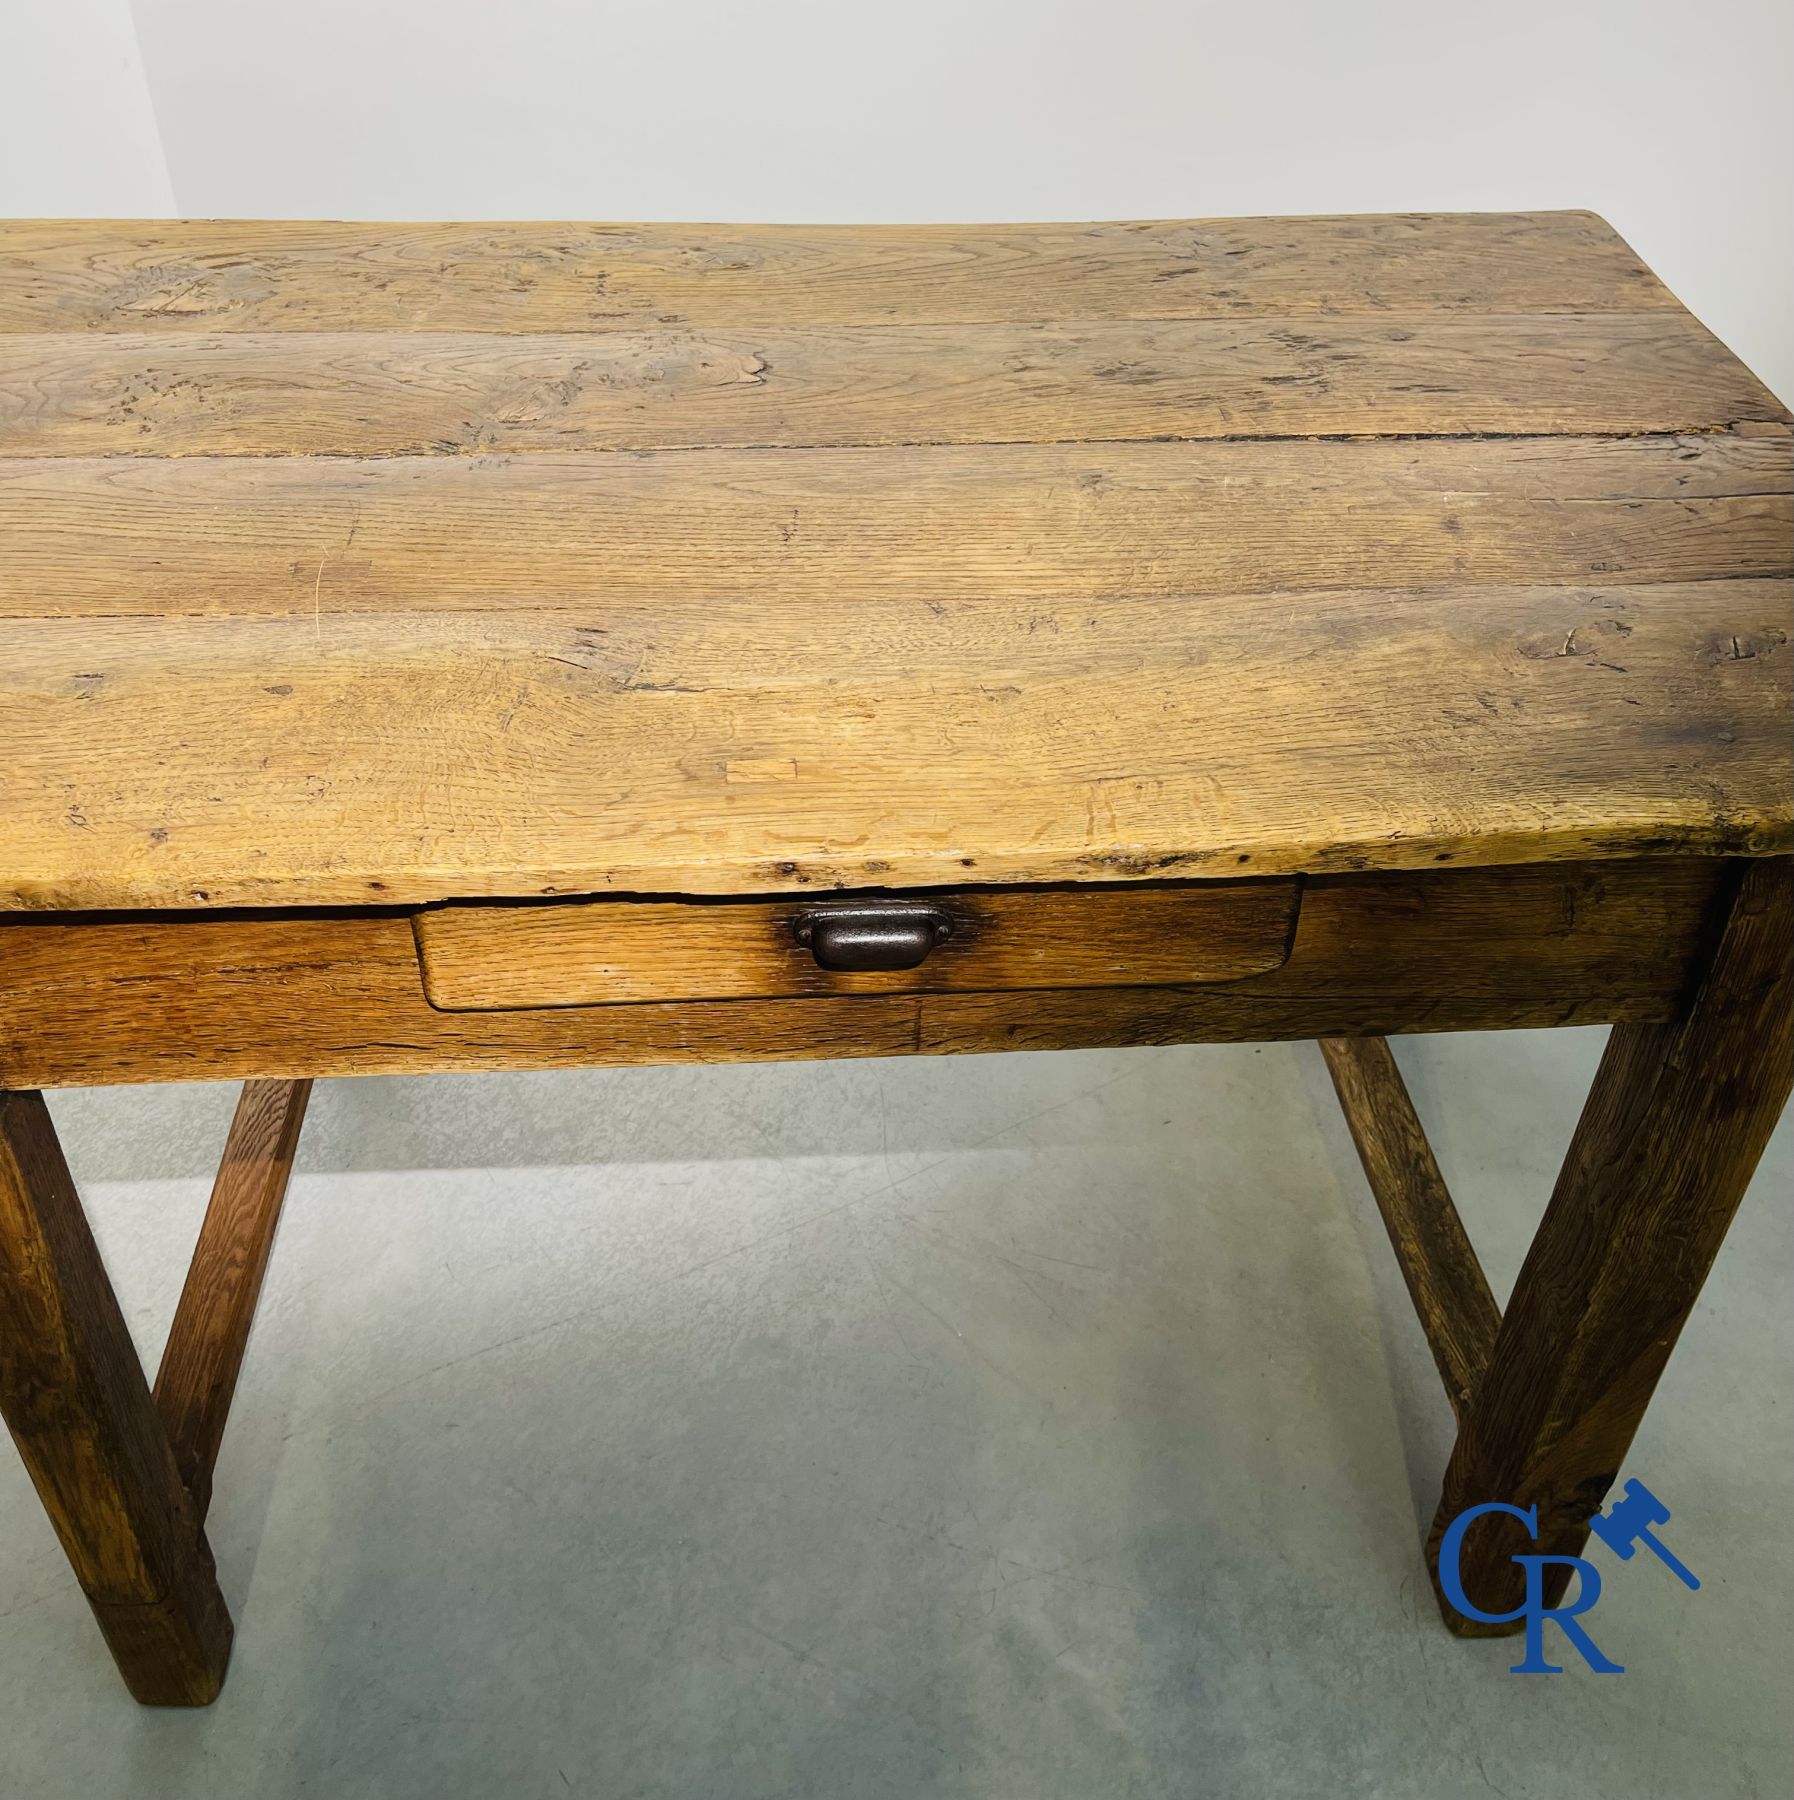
(435, 647)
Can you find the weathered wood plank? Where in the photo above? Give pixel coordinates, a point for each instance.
(403, 392)
(197, 996)
(259, 275)
(797, 529)
(204, 1353)
(80, 1412)
(1438, 1262)
(732, 747)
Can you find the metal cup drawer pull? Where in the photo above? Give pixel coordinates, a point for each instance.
(894, 936)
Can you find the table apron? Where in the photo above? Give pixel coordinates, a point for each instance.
(95, 999)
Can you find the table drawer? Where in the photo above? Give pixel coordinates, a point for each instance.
(498, 956)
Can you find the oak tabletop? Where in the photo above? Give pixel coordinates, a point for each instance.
(392, 563)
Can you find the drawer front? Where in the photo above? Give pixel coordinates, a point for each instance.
(492, 957)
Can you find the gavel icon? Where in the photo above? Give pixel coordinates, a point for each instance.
(1627, 1524)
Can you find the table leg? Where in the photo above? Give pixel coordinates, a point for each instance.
(204, 1354)
(1672, 1130)
(78, 1405)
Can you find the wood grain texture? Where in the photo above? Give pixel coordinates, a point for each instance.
(397, 758)
(1679, 1114)
(206, 995)
(80, 1412)
(1457, 1311)
(620, 539)
(361, 564)
(607, 952)
(215, 275)
(204, 1353)
(402, 392)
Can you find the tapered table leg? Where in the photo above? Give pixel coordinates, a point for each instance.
(79, 1408)
(204, 1353)
(1672, 1130)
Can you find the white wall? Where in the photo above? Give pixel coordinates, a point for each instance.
(1671, 117)
(77, 130)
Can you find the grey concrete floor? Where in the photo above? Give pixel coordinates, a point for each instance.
(1012, 1427)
